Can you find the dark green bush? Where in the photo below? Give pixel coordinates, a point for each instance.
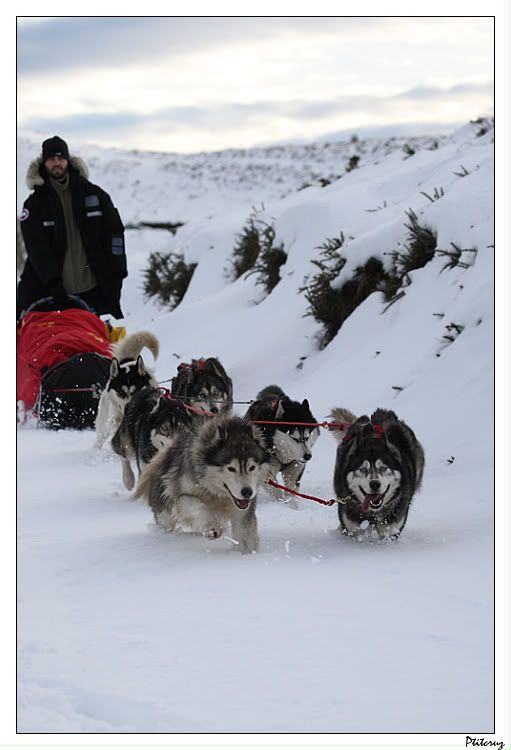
(352, 163)
(419, 250)
(167, 277)
(325, 303)
(269, 259)
(332, 306)
(323, 300)
(256, 253)
(247, 248)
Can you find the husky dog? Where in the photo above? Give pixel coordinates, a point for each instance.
(378, 470)
(204, 384)
(207, 478)
(290, 444)
(149, 424)
(128, 374)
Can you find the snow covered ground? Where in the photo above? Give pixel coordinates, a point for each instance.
(125, 629)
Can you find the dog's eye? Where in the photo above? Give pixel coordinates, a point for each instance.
(164, 429)
(231, 468)
(251, 468)
(382, 469)
(363, 470)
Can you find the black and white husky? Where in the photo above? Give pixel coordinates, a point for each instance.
(378, 470)
(204, 384)
(128, 374)
(289, 444)
(207, 479)
(149, 424)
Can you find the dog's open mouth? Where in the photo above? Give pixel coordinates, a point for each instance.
(240, 502)
(373, 501)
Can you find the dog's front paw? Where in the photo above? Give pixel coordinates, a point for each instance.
(213, 533)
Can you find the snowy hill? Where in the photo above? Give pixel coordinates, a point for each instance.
(163, 186)
(125, 629)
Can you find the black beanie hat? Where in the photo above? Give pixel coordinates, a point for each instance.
(55, 147)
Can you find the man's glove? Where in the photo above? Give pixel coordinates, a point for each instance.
(111, 290)
(59, 294)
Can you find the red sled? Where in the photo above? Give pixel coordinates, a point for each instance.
(63, 363)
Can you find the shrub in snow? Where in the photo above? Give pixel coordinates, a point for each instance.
(366, 279)
(271, 257)
(167, 277)
(455, 257)
(331, 306)
(247, 248)
(464, 172)
(323, 300)
(256, 252)
(352, 163)
(437, 194)
(419, 250)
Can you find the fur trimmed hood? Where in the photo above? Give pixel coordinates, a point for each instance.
(34, 178)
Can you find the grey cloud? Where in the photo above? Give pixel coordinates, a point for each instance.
(86, 42)
(230, 115)
(83, 126)
(433, 92)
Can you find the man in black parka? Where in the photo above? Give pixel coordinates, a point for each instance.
(73, 235)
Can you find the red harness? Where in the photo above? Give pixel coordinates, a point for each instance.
(377, 429)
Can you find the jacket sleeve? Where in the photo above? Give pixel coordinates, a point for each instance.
(37, 243)
(114, 238)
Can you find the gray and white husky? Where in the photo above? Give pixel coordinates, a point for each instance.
(207, 479)
(289, 444)
(378, 470)
(149, 424)
(204, 384)
(128, 374)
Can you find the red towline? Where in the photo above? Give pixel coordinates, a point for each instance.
(342, 500)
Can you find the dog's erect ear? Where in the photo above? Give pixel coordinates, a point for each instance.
(214, 366)
(217, 369)
(114, 368)
(140, 366)
(280, 410)
(157, 404)
(257, 434)
(305, 404)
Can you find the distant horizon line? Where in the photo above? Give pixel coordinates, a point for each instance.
(367, 132)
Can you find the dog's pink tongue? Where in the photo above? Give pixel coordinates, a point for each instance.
(368, 499)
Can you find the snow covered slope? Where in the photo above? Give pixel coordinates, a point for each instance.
(125, 629)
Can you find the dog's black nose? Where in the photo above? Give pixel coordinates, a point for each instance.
(246, 492)
(374, 485)
(307, 456)
(214, 410)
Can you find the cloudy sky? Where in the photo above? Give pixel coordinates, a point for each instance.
(204, 83)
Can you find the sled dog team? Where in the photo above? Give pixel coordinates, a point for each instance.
(200, 467)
